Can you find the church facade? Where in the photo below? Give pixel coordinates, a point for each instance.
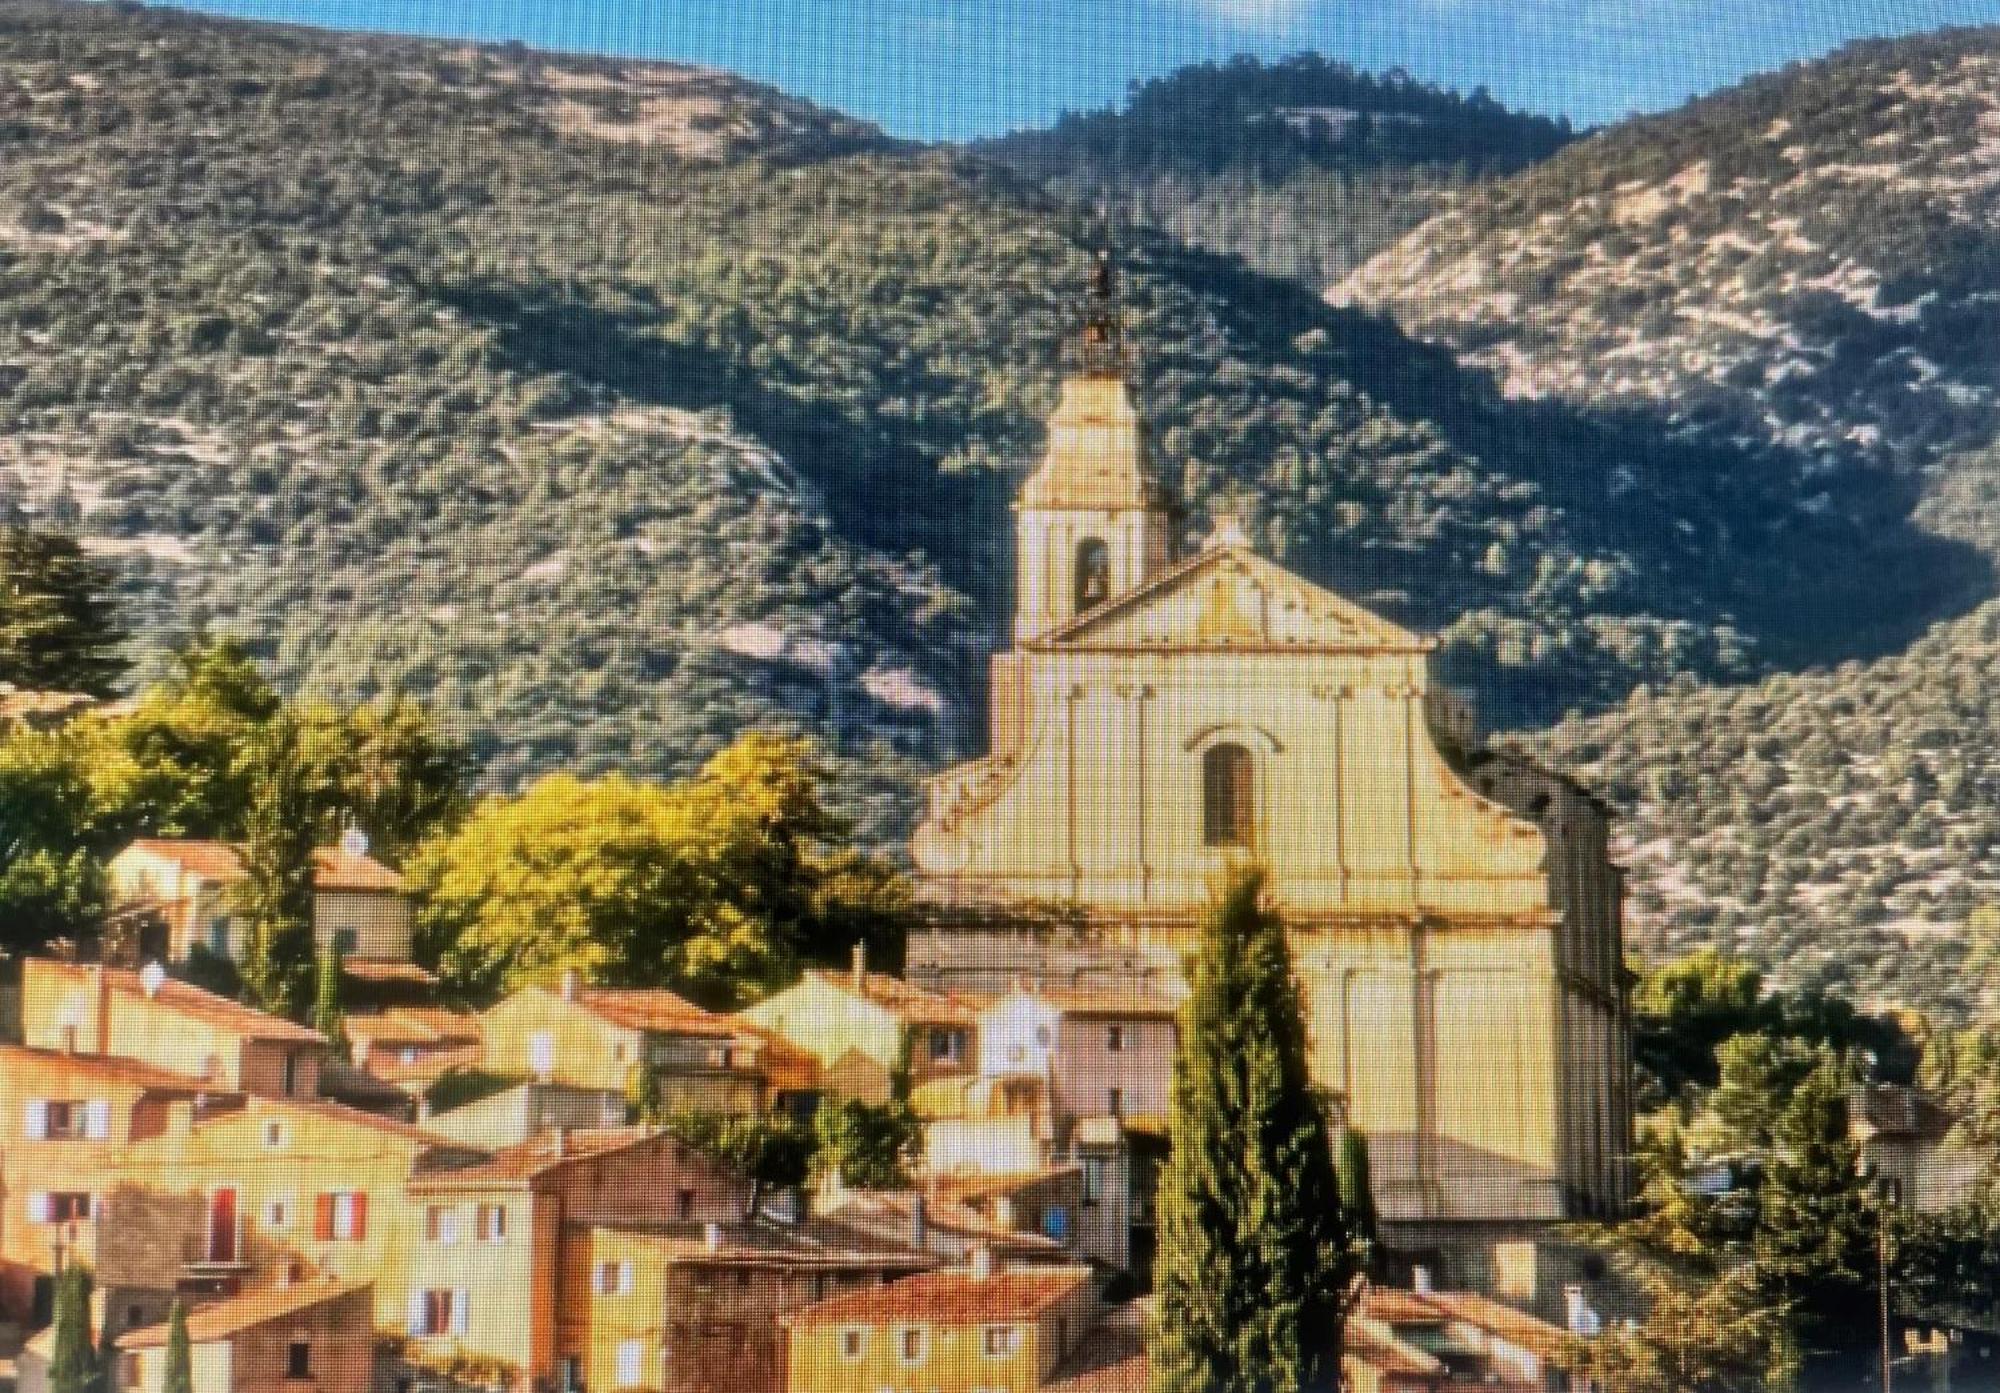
(1162, 718)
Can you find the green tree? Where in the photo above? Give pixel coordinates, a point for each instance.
(1759, 1074)
(72, 1356)
(1357, 1196)
(1255, 1263)
(275, 896)
(327, 1017)
(179, 1374)
(775, 1153)
(1712, 1335)
(386, 768)
(716, 886)
(1815, 1240)
(870, 1146)
(58, 624)
(643, 1099)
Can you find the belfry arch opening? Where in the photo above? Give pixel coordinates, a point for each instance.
(1093, 574)
(1229, 796)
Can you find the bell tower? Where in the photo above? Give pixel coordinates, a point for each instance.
(1092, 523)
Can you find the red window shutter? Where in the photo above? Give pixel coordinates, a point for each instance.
(360, 1215)
(323, 1217)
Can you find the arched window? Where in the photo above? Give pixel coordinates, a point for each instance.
(1093, 573)
(1228, 796)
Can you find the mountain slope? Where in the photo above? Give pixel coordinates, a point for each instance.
(1303, 167)
(1808, 261)
(374, 353)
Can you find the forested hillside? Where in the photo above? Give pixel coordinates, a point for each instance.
(1839, 826)
(1304, 167)
(1808, 261)
(610, 436)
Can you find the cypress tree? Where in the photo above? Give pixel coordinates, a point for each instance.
(1254, 1262)
(275, 895)
(1815, 1239)
(179, 1375)
(328, 1019)
(1357, 1196)
(58, 622)
(72, 1358)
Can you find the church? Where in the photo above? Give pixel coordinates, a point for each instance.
(1163, 715)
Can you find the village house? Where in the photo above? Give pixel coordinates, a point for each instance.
(494, 1271)
(696, 1308)
(1438, 1342)
(969, 1330)
(863, 1026)
(598, 1038)
(526, 1111)
(360, 906)
(308, 1335)
(1911, 1141)
(1098, 1053)
(412, 1046)
(949, 1230)
(91, 1009)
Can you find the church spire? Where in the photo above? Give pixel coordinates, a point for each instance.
(1101, 351)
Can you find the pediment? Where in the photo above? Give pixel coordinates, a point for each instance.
(1232, 598)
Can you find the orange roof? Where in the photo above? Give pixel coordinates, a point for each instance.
(326, 1110)
(1369, 1345)
(1111, 1357)
(336, 869)
(412, 1025)
(525, 1161)
(911, 1002)
(1531, 1333)
(652, 1009)
(951, 1298)
(975, 1185)
(333, 868)
(890, 1213)
(191, 1001)
(111, 1068)
(221, 1319)
(384, 971)
(765, 1242)
(1394, 1306)
(785, 1067)
(1078, 1001)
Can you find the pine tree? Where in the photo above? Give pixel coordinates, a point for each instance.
(328, 1019)
(58, 629)
(1357, 1196)
(1254, 1262)
(72, 1358)
(275, 895)
(1816, 1226)
(179, 1374)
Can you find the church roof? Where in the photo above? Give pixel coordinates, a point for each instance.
(1230, 598)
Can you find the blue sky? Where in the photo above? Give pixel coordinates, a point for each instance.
(948, 69)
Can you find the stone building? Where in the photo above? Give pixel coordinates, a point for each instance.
(1162, 718)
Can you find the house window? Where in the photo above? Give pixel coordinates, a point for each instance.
(1055, 1223)
(1093, 574)
(631, 1357)
(440, 1311)
(66, 1120)
(1093, 1180)
(274, 1136)
(614, 1278)
(492, 1223)
(684, 1203)
(1114, 1101)
(299, 1359)
(947, 1045)
(64, 1207)
(218, 935)
(345, 941)
(441, 1224)
(618, 1052)
(341, 1215)
(542, 1054)
(1114, 1038)
(291, 1074)
(910, 1345)
(1227, 796)
(277, 1215)
(1000, 1340)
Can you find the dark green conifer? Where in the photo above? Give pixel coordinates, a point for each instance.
(275, 896)
(328, 1019)
(179, 1374)
(72, 1357)
(1357, 1196)
(1254, 1265)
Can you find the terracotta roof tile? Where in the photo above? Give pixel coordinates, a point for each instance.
(652, 1009)
(188, 1000)
(1368, 1343)
(338, 869)
(951, 1298)
(1111, 1357)
(333, 867)
(221, 1319)
(524, 1161)
(412, 1025)
(817, 1242)
(974, 1185)
(911, 1002)
(111, 1068)
(1531, 1333)
(207, 859)
(889, 1213)
(1079, 1001)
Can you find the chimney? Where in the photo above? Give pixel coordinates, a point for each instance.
(982, 1263)
(711, 1236)
(423, 1107)
(572, 983)
(103, 984)
(919, 1224)
(558, 1141)
(1420, 1280)
(861, 968)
